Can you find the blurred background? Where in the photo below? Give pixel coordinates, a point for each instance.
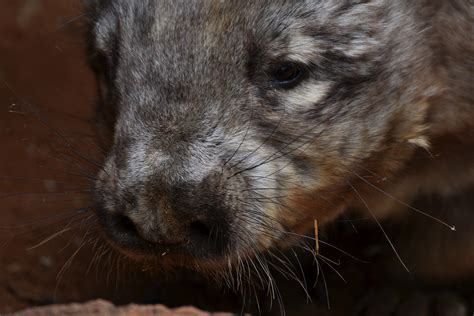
(46, 101)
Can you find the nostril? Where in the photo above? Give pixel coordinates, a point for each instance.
(124, 223)
(199, 230)
(209, 236)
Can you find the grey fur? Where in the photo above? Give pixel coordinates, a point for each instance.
(196, 127)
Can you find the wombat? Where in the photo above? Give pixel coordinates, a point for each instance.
(231, 126)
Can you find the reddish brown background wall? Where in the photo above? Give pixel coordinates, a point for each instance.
(42, 73)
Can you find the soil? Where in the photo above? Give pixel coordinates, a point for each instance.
(49, 251)
(101, 307)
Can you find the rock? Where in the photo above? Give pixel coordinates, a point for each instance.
(101, 307)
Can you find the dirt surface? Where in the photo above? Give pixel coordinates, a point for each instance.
(49, 249)
(100, 307)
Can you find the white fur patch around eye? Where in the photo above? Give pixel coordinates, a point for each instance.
(306, 96)
(358, 47)
(303, 48)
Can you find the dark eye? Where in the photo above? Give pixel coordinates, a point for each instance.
(287, 75)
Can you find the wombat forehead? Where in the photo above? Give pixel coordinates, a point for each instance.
(195, 36)
(210, 17)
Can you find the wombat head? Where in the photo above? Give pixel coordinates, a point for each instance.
(234, 124)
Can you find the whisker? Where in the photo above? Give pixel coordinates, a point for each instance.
(68, 227)
(22, 194)
(72, 20)
(258, 147)
(325, 285)
(19, 178)
(323, 259)
(381, 227)
(241, 143)
(451, 227)
(46, 220)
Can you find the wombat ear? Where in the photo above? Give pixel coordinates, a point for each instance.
(93, 7)
(93, 4)
(89, 4)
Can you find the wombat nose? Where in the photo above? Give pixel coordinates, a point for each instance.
(130, 230)
(165, 233)
(199, 231)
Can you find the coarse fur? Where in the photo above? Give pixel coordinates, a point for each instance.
(210, 163)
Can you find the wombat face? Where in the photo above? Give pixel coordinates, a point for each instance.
(234, 124)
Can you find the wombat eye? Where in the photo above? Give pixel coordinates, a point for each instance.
(287, 75)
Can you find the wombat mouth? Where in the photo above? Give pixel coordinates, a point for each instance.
(198, 246)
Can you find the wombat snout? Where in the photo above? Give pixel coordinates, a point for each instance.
(189, 219)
